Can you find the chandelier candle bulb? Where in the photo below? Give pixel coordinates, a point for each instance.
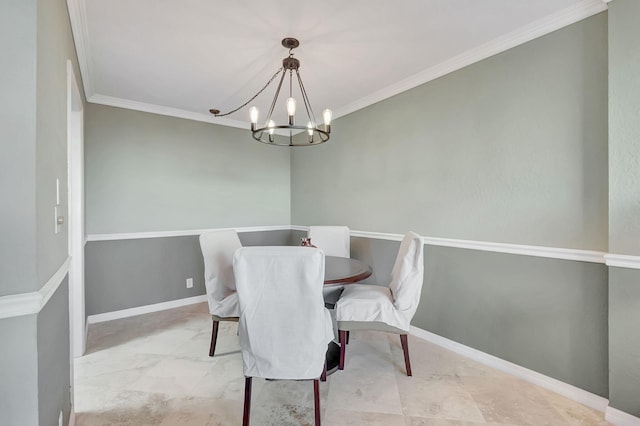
(253, 115)
(326, 115)
(291, 109)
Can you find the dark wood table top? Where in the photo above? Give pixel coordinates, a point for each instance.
(343, 270)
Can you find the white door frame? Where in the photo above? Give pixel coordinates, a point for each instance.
(75, 185)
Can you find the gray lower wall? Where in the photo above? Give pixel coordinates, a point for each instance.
(547, 315)
(19, 371)
(125, 274)
(54, 358)
(624, 339)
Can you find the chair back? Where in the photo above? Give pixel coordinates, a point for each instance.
(407, 274)
(218, 248)
(332, 240)
(284, 327)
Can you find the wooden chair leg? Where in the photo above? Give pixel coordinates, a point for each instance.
(247, 401)
(323, 376)
(405, 349)
(214, 337)
(316, 400)
(342, 337)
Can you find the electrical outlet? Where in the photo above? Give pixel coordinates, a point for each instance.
(189, 282)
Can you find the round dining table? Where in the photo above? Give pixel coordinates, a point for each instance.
(343, 270)
(339, 271)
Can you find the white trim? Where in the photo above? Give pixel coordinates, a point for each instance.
(520, 36)
(622, 261)
(500, 44)
(140, 310)
(188, 232)
(72, 417)
(538, 251)
(524, 250)
(80, 31)
(163, 110)
(16, 305)
(620, 418)
(579, 395)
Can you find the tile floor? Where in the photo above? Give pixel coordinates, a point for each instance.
(154, 370)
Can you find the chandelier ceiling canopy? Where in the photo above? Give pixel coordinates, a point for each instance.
(309, 132)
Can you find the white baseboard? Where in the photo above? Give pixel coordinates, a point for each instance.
(620, 418)
(140, 310)
(579, 395)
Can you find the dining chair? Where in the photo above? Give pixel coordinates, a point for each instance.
(284, 327)
(333, 240)
(218, 248)
(389, 309)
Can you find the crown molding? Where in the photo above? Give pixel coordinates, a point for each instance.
(163, 110)
(80, 32)
(568, 16)
(16, 305)
(520, 36)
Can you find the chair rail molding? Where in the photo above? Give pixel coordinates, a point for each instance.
(181, 233)
(16, 305)
(507, 248)
(622, 261)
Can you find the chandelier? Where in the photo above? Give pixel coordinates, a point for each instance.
(287, 134)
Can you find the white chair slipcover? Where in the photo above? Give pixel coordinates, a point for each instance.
(332, 240)
(389, 309)
(284, 327)
(218, 248)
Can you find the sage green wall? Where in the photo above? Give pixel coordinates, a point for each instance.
(18, 139)
(624, 203)
(147, 172)
(511, 149)
(36, 42)
(54, 47)
(624, 127)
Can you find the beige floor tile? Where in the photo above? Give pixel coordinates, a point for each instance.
(351, 418)
(154, 369)
(437, 397)
(512, 401)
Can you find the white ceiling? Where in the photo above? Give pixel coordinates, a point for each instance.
(183, 57)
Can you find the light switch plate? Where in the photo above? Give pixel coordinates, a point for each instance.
(57, 192)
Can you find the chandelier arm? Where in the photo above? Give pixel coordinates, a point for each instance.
(254, 96)
(275, 99)
(305, 100)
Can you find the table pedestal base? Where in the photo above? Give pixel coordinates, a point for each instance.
(333, 357)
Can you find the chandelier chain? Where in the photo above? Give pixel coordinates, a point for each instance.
(254, 96)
